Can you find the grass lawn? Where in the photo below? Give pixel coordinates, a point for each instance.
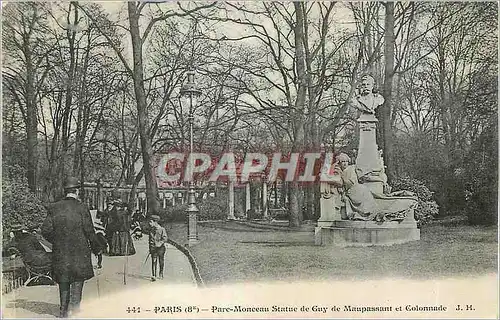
(232, 253)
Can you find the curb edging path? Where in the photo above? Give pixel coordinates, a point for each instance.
(192, 261)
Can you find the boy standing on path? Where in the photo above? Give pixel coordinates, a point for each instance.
(157, 246)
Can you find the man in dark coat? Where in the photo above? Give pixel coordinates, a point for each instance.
(69, 228)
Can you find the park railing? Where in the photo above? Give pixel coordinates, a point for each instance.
(13, 278)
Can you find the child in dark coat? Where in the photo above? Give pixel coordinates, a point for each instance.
(100, 231)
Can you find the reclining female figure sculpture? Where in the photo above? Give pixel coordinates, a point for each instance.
(361, 203)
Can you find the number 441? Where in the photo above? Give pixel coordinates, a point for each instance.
(133, 309)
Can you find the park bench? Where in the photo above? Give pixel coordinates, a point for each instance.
(34, 272)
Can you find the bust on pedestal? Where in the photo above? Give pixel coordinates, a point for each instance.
(367, 160)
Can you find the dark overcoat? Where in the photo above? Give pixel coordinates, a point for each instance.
(69, 228)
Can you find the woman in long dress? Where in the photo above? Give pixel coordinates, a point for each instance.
(121, 240)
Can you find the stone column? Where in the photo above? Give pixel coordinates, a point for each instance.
(247, 197)
(230, 215)
(276, 204)
(95, 196)
(100, 196)
(264, 199)
(90, 196)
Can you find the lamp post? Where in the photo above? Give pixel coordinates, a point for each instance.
(189, 93)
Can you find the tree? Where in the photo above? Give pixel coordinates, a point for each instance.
(138, 40)
(140, 95)
(295, 104)
(25, 69)
(19, 205)
(446, 97)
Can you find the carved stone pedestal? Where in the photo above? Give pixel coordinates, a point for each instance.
(347, 233)
(367, 160)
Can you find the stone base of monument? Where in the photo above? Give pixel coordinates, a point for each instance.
(347, 233)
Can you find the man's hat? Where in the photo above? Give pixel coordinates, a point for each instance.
(154, 217)
(71, 182)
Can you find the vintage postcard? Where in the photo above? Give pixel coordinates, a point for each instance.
(249, 159)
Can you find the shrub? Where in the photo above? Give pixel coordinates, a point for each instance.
(426, 211)
(213, 208)
(416, 186)
(210, 209)
(427, 208)
(482, 197)
(19, 205)
(176, 213)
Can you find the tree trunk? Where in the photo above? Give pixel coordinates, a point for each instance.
(82, 121)
(83, 194)
(386, 129)
(283, 195)
(140, 95)
(298, 114)
(133, 191)
(31, 121)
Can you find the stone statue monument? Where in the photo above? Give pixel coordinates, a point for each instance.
(357, 206)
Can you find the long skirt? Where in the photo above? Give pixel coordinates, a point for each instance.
(121, 244)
